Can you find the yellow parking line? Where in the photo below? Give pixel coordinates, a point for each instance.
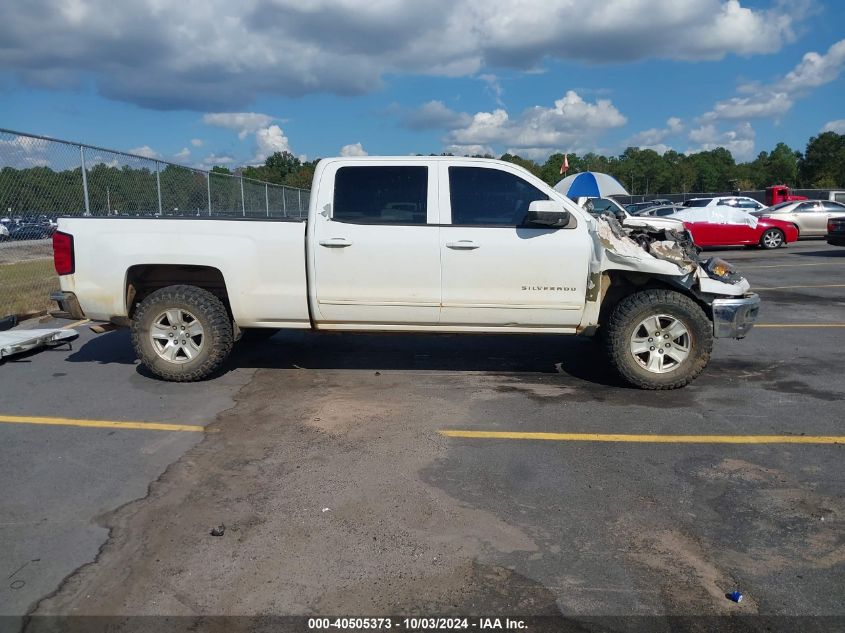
(798, 325)
(77, 324)
(787, 265)
(102, 424)
(646, 439)
(790, 287)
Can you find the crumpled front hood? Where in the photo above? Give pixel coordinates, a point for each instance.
(655, 250)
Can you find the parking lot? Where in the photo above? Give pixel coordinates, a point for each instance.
(356, 474)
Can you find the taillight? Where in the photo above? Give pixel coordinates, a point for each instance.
(63, 253)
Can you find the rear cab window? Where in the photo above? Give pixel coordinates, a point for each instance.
(385, 194)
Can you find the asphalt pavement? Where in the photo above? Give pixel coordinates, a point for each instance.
(357, 474)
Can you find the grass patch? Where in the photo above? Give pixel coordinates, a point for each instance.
(26, 286)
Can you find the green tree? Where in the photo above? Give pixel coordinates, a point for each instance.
(781, 165)
(823, 164)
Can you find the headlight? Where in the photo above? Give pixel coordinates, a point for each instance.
(721, 270)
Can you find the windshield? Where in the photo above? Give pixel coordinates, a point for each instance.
(780, 206)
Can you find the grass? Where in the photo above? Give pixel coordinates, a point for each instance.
(25, 287)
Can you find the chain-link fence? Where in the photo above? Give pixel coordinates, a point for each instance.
(42, 179)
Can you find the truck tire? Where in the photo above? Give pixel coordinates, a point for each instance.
(182, 333)
(659, 339)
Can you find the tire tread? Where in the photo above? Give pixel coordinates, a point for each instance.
(220, 336)
(631, 307)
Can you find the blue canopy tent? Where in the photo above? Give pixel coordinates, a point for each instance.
(590, 184)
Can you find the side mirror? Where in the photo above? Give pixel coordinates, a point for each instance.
(548, 213)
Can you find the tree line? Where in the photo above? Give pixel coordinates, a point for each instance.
(644, 171)
(641, 171)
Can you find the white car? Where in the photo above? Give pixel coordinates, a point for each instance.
(597, 206)
(737, 202)
(4, 232)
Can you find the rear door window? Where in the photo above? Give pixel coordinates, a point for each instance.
(381, 195)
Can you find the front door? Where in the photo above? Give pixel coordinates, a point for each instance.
(496, 270)
(375, 252)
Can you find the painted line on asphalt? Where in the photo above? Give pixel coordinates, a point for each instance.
(787, 265)
(647, 439)
(798, 325)
(101, 424)
(77, 324)
(791, 287)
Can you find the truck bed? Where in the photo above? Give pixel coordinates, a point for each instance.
(262, 263)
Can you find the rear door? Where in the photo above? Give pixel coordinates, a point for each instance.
(375, 248)
(811, 218)
(497, 271)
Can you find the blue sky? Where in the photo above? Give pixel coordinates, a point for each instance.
(212, 82)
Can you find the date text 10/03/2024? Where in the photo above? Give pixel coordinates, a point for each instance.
(416, 624)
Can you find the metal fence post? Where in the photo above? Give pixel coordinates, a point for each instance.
(243, 200)
(208, 183)
(158, 185)
(84, 181)
(285, 201)
(267, 199)
(299, 195)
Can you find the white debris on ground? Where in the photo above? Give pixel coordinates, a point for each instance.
(19, 341)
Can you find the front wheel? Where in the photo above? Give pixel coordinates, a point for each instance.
(182, 333)
(659, 339)
(772, 238)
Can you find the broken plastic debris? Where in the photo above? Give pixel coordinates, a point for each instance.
(218, 531)
(734, 596)
(326, 509)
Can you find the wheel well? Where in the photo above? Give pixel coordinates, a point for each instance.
(624, 283)
(147, 278)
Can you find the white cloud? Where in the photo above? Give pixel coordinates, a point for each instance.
(243, 123)
(469, 150)
(776, 99)
(182, 155)
(354, 149)
(653, 138)
(196, 142)
(738, 140)
(215, 159)
(837, 126)
(434, 115)
(494, 87)
(572, 124)
(146, 151)
(219, 55)
(269, 140)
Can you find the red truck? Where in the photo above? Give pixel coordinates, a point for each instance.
(780, 193)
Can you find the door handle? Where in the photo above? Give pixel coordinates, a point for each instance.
(464, 245)
(336, 242)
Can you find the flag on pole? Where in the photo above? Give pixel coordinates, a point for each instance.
(565, 165)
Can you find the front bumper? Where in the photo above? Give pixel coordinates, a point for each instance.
(734, 317)
(69, 304)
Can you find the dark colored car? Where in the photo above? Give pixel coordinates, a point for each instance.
(635, 208)
(31, 232)
(836, 231)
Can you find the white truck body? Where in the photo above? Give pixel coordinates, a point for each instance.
(424, 267)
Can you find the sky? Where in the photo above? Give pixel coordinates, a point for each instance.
(208, 82)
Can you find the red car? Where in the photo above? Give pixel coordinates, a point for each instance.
(768, 233)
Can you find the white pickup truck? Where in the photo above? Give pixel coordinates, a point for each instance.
(410, 244)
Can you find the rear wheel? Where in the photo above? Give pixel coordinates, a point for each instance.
(659, 339)
(772, 238)
(182, 333)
